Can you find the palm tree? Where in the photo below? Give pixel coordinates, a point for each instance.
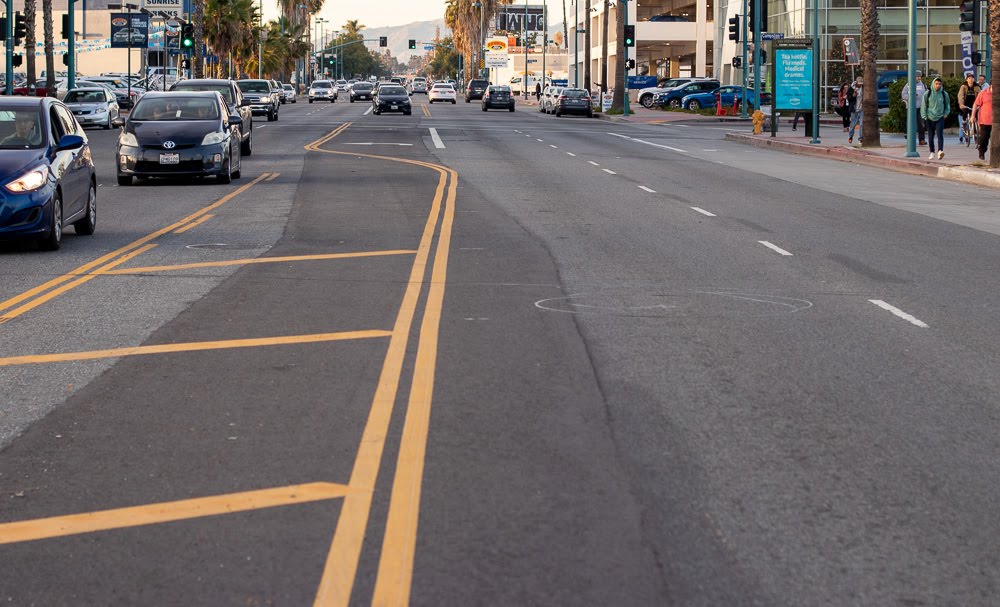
(618, 102)
(869, 48)
(994, 13)
(29, 39)
(566, 26)
(586, 46)
(232, 28)
(199, 37)
(50, 63)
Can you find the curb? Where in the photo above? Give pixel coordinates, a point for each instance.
(964, 174)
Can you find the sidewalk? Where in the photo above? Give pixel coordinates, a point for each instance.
(960, 163)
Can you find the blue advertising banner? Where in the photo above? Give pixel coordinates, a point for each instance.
(123, 36)
(793, 78)
(641, 82)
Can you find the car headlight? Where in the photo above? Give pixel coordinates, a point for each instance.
(30, 181)
(213, 138)
(128, 139)
(312, 92)
(265, 99)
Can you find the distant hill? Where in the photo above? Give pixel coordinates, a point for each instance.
(400, 35)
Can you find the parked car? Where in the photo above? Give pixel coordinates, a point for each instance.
(883, 81)
(391, 98)
(93, 106)
(361, 91)
(46, 172)
(262, 98)
(729, 94)
(288, 92)
(323, 90)
(125, 94)
(233, 96)
(498, 96)
(550, 103)
(179, 134)
(646, 95)
(672, 97)
(670, 18)
(442, 91)
(476, 89)
(573, 101)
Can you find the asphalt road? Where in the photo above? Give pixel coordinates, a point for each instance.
(462, 358)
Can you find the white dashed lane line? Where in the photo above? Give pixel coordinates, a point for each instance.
(553, 147)
(593, 163)
(655, 145)
(609, 171)
(437, 138)
(570, 154)
(642, 187)
(907, 317)
(703, 212)
(775, 248)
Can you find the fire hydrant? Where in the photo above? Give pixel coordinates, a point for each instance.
(758, 122)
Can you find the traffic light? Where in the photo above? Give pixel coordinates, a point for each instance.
(629, 35)
(413, 44)
(734, 29)
(763, 15)
(737, 62)
(65, 58)
(3, 26)
(977, 58)
(383, 41)
(17, 60)
(20, 29)
(65, 26)
(630, 64)
(187, 35)
(185, 64)
(969, 20)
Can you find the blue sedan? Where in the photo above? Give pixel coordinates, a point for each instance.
(729, 94)
(47, 178)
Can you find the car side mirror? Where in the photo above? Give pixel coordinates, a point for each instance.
(118, 123)
(235, 121)
(70, 142)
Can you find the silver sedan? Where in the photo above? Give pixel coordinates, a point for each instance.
(92, 106)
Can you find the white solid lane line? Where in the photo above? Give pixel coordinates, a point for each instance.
(642, 187)
(570, 154)
(593, 163)
(703, 211)
(437, 138)
(774, 248)
(907, 317)
(609, 171)
(655, 145)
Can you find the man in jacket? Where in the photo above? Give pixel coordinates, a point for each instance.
(935, 108)
(966, 97)
(855, 96)
(921, 91)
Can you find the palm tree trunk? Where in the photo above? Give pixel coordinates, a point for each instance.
(30, 11)
(586, 47)
(869, 47)
(604, 47)
(618, 102)
(199, 37)
(50, 63)
(994, 13)
(565, 27)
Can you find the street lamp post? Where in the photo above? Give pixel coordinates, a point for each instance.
(911, 69)
(816, 63)
(576, 44)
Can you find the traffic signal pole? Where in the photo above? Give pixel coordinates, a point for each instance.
(624, 71)
(8, 36)
(756, 53)
(71, 45)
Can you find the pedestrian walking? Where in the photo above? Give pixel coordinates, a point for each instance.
(855, 96)
(921, 91)
(982, 114)
(935, 108)
(843, 110)
(538, 91)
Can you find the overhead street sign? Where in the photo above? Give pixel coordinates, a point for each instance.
(765, 36)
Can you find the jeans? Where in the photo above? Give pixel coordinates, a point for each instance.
(921, 129)
(856, 119)
(935, 127)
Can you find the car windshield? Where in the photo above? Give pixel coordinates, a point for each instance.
(176, 108)
(20, 129)
(321, 84)
(391, 90)
(287, 87)
(254, 86)
(362, 86)
(223, 89)
(85, 97)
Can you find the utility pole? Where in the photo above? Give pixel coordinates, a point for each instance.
(9, 38)
(71, 46)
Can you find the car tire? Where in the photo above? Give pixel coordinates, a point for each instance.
(674, 103)
(352, 99)
(407, 113)
(225, 176)
(646, 101)
(558, 114)
(694, 105)
(246, 147)
(86, 225)
(453, 102)
(270, 116)
(310, 101)
(590, 113)
(107, 127)
(53, 240)
(467, 100)
(512, 108)
(124, 180)
(276, 115)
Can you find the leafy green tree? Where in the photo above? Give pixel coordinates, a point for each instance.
(445, 61)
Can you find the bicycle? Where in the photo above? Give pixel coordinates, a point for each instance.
(970, 130)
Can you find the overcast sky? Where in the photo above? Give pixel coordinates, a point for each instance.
(372, 13)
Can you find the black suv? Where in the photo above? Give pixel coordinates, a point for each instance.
(262, 99)
(238, 106)
(475, 89)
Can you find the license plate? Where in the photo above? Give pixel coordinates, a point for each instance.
(170, 159)
(395, 107)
